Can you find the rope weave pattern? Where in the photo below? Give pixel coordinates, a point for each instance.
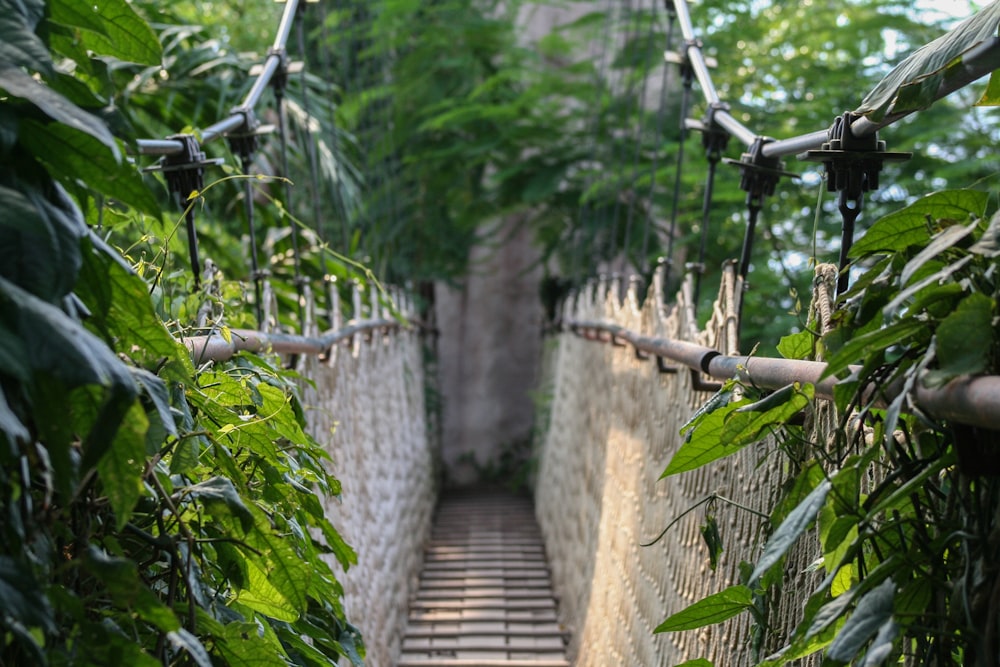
(613, 428)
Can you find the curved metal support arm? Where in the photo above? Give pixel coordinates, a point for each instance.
(236, 119)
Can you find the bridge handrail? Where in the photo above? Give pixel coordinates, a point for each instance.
(239, 117)
(976, 63)
(973, 400)
(216, 347)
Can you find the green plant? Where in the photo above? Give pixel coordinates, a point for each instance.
(154, 512)
(905, 505)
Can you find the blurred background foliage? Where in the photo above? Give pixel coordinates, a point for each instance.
(431, 120)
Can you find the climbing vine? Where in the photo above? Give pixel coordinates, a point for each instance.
(900, 506)
(153, 512)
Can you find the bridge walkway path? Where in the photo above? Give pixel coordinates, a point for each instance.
(485, 598)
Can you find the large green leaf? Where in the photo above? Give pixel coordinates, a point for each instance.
(21, 84)
(123, 314)
(873, 611)
(943, 240)
(109, 27)
(748, 423)
(858, 349)
(914, 83)
(791, 529)
(909, 226)
(713, 609)
(22, 597)
(122, 466)
(263, 596)
(218, 493)
(39, 241)
(705, 443)
(19, 46)
(71, 155)
(958, 352)
(58, 345)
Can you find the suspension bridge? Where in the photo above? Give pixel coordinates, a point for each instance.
(560, 578)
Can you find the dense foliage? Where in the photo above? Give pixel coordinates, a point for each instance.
(153, 512)
(901, 504)
(905, 504)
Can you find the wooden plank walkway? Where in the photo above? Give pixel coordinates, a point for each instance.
(485, 599)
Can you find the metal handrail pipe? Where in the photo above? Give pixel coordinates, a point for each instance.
(968, 400)
(236, 120)
(263, 81)
(735, 128)
(976, 63)
(695, 57)
(215, 347)
(159, 146)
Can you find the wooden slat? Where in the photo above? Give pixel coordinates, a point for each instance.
(485, 591)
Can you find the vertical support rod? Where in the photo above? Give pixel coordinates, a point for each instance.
(679, 171)
(706, 212)
(850, 209)
(254, 267)
(279, 99)
(192, 234)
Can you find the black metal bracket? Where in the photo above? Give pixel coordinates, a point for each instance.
(185, 175)
(697, 383)
(759, 176)
(852, 165)
(244, 141)
(714, 137)
(662, 366)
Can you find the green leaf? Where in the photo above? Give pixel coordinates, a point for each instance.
(964, 338)
(873, 611)
(263, 596)
(748, 423)
(859, 348)
(940, 242)
(39, 241)
(71, 155)
(705, 444)
(122, 466)
(20, 46)
(121, 311)
(713, 609)
(791, 529)
(710, 533)
(882, 645)
(183, 640)
(22, 597)
(243, 644)
(991, 96)
(55, 106)
(909, 226)
(797, 345)
(219, 492)
(913, 83)
(109, 27)
(697, 662)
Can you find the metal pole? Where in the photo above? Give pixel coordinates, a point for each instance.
(235, 121)
(968, 400)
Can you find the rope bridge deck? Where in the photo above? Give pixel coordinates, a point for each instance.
(485, 597)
